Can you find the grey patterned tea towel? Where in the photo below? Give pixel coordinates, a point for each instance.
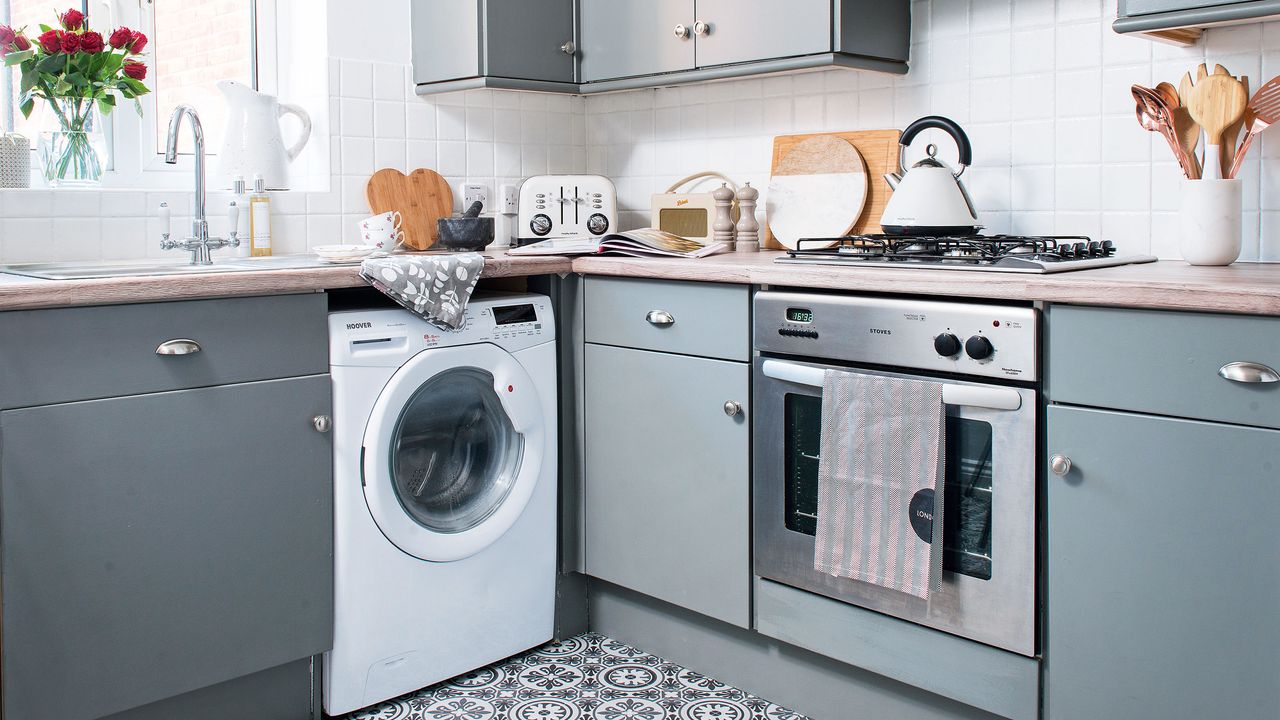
(879, 481)
(437, 287)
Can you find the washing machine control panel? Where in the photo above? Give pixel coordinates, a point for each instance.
(377, 337)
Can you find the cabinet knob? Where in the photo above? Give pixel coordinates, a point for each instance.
(179, 346)
(1060, 464)
(732, 409)
(701, 29)
(682, 31)
(568, 48)
(322, 423)
(660, 318)
(1248, 372)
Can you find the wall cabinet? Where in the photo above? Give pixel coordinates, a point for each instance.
(666, 469)
(522, 44)
(166, 552)
(624, 44)
(1182, 21)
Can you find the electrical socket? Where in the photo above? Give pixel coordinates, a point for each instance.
(472, 192)
(510, 199)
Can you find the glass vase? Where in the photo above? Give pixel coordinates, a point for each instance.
(74, 152)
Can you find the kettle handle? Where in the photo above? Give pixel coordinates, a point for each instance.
(286, 109)
(940, 123)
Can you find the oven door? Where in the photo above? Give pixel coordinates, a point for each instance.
(987, 591)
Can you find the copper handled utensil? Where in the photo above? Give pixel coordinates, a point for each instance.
(1265, 109)
(1185, 130)
(1154, 115)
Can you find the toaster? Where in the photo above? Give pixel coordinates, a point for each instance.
(566, 206)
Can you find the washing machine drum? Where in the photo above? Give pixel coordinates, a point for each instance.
(453, 451)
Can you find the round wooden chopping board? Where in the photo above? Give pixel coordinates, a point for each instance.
(818, 190)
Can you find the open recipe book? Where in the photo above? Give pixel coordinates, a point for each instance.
(645, 242)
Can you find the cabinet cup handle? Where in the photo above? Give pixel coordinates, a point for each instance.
(568, 48)
(1247, 372)
(701, 29)
(178, 346)
(322, 423)
(1060, 465)
(660, 318)
(732, 408)
(682, 31)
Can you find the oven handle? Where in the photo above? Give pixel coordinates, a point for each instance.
(995, 398)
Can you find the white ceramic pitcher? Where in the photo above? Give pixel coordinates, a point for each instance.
(254, 144)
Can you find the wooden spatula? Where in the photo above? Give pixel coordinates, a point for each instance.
(1188, 129)
(1217, 102)
(1231, 136)
(1264, 107)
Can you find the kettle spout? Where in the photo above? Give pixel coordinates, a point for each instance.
(893, 179)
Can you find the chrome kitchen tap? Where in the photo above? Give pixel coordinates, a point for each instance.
(200, 245)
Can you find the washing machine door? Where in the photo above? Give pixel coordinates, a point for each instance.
(453, 450)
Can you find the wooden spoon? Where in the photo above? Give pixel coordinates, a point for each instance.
(1217, 102)
(1264, 106)
(1185, 130)
(1231, 136)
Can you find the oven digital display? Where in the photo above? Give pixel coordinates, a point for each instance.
(514, 314)
(799, 315)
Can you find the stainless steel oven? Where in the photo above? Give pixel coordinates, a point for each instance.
(987, 591)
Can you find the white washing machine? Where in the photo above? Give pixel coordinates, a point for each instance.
(444, 495)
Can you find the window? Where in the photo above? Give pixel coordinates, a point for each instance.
(194, 44)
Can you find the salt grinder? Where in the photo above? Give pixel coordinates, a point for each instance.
(748, 227)
(723, 226)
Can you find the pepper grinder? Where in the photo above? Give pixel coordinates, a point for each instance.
(723, 226)
(748, 228)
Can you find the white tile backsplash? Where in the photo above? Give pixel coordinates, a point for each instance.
(1040, 85)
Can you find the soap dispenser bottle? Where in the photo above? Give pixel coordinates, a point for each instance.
(260, 218)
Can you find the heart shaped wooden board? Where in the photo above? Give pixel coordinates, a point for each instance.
(421, 198)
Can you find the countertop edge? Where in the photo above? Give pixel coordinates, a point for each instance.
(1244, 288)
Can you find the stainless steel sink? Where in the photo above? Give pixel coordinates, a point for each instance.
(142, 268)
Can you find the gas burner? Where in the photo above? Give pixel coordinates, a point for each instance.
(1006, 253)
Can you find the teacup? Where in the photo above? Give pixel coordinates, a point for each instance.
(382, 231)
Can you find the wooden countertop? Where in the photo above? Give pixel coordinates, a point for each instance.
(21, 293)
(1247, 288)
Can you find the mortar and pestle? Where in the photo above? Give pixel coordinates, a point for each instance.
(470, 232)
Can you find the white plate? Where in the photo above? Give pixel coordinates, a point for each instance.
(344, 253)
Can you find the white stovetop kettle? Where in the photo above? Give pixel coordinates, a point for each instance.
(254, 144)
(929, 199)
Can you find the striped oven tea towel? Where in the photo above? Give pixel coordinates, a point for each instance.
(436, 287)
(880, 481)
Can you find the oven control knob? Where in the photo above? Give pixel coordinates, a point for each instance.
(540, 225)
(598, 224)
(947, 345)
(978, 348)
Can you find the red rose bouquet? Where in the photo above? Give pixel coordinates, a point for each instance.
(75, 70)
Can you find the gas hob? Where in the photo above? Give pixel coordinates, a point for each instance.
(992, 253)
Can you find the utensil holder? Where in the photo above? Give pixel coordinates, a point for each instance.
(1209, 221)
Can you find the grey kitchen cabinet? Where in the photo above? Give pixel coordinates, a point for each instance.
(627, 44)
(515, 44)
(165, 520)
(1162, 568)
(624, 38)
(1181, 21)
(667, 478)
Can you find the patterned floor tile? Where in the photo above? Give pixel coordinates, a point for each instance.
(588, 677)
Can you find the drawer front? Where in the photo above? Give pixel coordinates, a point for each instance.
(702, 319)
(71, 354)
(1163, 362)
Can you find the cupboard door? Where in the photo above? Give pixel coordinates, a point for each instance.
(158, 544)
(747, 30)
(667, 478)
(523, 39)
(1163, 568)
(623, 38)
